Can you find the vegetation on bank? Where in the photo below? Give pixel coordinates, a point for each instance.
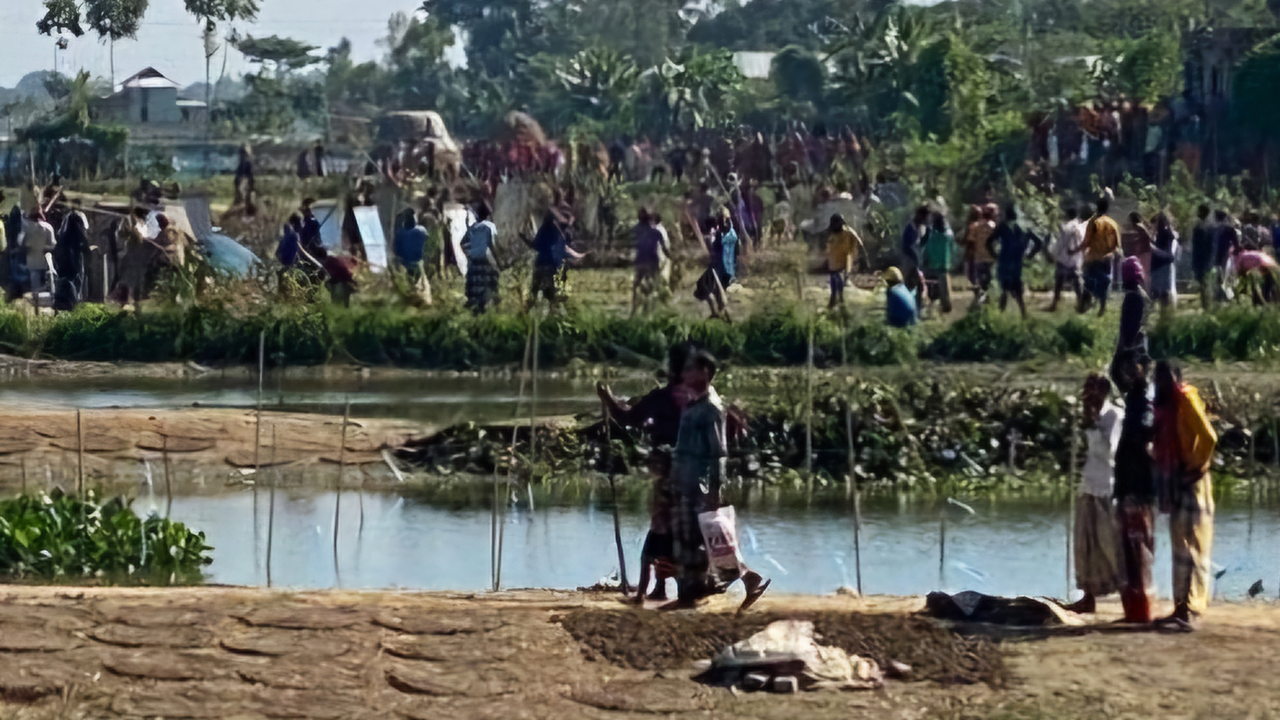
(447, 337)
(934, 437)
(59, 536)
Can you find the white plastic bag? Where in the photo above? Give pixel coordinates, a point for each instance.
(719, 532)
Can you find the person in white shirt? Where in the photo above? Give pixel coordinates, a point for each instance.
(1097, 534)
(1068, 255)
(482, 265)
(37, 240)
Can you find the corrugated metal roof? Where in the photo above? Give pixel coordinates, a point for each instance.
(147, 78)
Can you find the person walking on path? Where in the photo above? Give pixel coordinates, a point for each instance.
(551, 251)
(1101, 243)
(981, 224)
(1068, 257)
(1164, 258)
(410, 248)
(1134, 309)
(721, 243)
(939, 257)
(1097, 535)
(1202, 242)
(1134, 488)
(1012, 241)
(844, 251)
(651, 246)
(1183, 446)
(909, 252)
(697, 474)
(482, 266)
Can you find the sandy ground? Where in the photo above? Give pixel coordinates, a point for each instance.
(245, 653)
(206, 448)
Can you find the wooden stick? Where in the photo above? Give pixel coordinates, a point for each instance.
(257, 425)
(808, 422)
(857, 537)
(271, 504)
(613, 490)
(79, 455)
(23, 463)
(342, 463)
(533, 402)
(942, 545)
(168, 483)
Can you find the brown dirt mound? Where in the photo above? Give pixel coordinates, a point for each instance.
(647, 640)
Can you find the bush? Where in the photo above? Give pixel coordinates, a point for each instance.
(60, 536)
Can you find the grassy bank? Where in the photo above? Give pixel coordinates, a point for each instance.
(386, 331)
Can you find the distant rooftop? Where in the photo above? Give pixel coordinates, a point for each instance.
(147, 78)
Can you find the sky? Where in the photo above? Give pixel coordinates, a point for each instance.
(170, 38)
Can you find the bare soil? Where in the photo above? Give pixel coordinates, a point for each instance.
(214, 652)
(206, 448)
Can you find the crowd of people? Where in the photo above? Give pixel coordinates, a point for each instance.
(1151, 455)
(47, 247)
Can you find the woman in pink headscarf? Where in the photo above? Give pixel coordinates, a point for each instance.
(1133, 309)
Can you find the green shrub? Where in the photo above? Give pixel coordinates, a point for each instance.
(60, 536)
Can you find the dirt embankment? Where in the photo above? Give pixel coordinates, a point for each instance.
(246, 653)
(206, 448)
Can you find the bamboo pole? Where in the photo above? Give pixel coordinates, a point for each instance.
(857, 538)
(271, 504)
(808, 422)
(168, 483)
(79, 455)
(23, 463)
(496, 530)
(257, 426)
(1071, 497)
(342, 463)
(942, 546)
(613, 491)
(533, 401)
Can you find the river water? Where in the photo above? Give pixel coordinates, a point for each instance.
(1002, 547)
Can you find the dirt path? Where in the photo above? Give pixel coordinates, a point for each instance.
(245, 653)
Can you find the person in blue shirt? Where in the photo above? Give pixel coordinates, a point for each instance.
(900, 308)
(1009, 245)
(287, 249)
(550, 251)
(410, 250)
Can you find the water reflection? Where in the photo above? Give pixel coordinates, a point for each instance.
(1002, 549)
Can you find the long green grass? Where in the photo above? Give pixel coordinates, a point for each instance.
(390, 333)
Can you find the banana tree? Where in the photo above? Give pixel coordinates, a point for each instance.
(695, 90)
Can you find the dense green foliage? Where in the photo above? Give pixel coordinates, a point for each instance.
(777, 335)
(59, 536)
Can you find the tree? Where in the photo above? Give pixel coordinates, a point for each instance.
(598, 84)
(281, 54)
(694, 89)
(60, 15)
(115, 20)
(1254, 101)
(798, 74)
(212, 12)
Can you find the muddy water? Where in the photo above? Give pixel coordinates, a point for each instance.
(1002, 549)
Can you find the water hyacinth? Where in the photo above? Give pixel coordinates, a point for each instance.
(53, 536)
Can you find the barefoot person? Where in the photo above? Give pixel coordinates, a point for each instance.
(1134, 487)
(1101, 243)
(657, 415)
(1183, 448)
(1012, 241)
(697, 473)
(1097, 539)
